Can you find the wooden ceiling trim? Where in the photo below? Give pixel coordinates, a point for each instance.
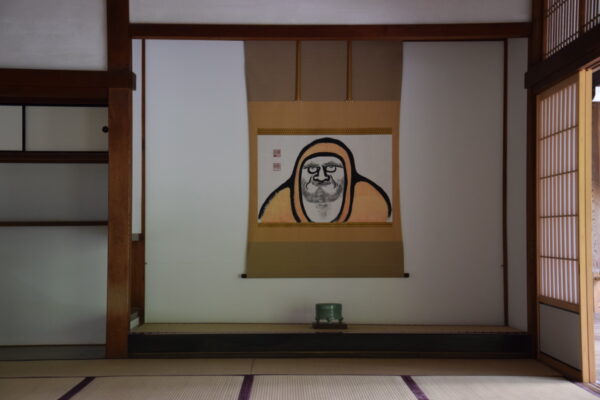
(481, 31)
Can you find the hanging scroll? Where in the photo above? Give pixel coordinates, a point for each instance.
(324, 175)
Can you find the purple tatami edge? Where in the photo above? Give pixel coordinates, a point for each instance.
(77, 388)
(410, 382)
(246, 388)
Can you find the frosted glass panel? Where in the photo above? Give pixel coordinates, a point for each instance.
(11, 128)
(32, 192)
(66, 128)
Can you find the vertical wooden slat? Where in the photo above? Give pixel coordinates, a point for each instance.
(585, 232)
(348, 70)
(298, 95)
(119, 186)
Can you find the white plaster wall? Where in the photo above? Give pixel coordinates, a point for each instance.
(560, 335)
(516, 195)
(53, 192)
(56, 34)
(197, 194)
(53, 286)
(329, 11)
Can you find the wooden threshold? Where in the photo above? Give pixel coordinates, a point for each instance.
(157, 328)
(68, 157)
(485, 31)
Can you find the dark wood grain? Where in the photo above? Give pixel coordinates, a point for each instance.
(332, 32)
(119, 182)
(333, 344)
(534, 56)
(62, 157)
(118, 36)
(119, 228)
(53, 223)
(505, 185)
(66, 78)
(48, 95)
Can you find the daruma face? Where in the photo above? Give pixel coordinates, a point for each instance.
(322, 184)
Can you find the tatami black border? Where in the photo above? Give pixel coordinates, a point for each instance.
(494, 345)
(246, 389)
(77, 388)
(414, 387)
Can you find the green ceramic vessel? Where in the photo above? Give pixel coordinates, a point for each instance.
(329, 312)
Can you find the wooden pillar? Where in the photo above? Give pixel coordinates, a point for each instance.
(119, 183)
(535, 56)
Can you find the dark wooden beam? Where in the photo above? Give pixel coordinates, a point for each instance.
(82, 157)
(332, 32)
(53, 223)
(46, 95)
(66, 78)
(119, 183)
(564, 63)
(32, 86)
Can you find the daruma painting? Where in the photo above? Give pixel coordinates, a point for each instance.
(341, 179)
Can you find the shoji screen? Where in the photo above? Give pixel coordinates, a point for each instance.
(562, 24)
(592, 14)
(566, 20)
(558, 200)
(563, 210)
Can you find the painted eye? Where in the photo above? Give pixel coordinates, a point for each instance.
(312, 170)
(330, 169)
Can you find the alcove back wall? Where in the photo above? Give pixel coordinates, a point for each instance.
(450, 185)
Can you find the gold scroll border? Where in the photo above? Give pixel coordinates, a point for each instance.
(323, 131)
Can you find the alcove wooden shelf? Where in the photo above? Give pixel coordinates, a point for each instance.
(53, 223)
(82, 157)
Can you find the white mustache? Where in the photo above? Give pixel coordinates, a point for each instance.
(320, 195)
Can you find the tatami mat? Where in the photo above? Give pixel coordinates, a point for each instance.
(307, 328)
(330, 388)
(35, 389)
(332, 366)
(500, 388)
(163, 388)
(130, 367)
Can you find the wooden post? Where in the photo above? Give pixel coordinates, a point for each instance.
(119, 183)
(535, 56)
